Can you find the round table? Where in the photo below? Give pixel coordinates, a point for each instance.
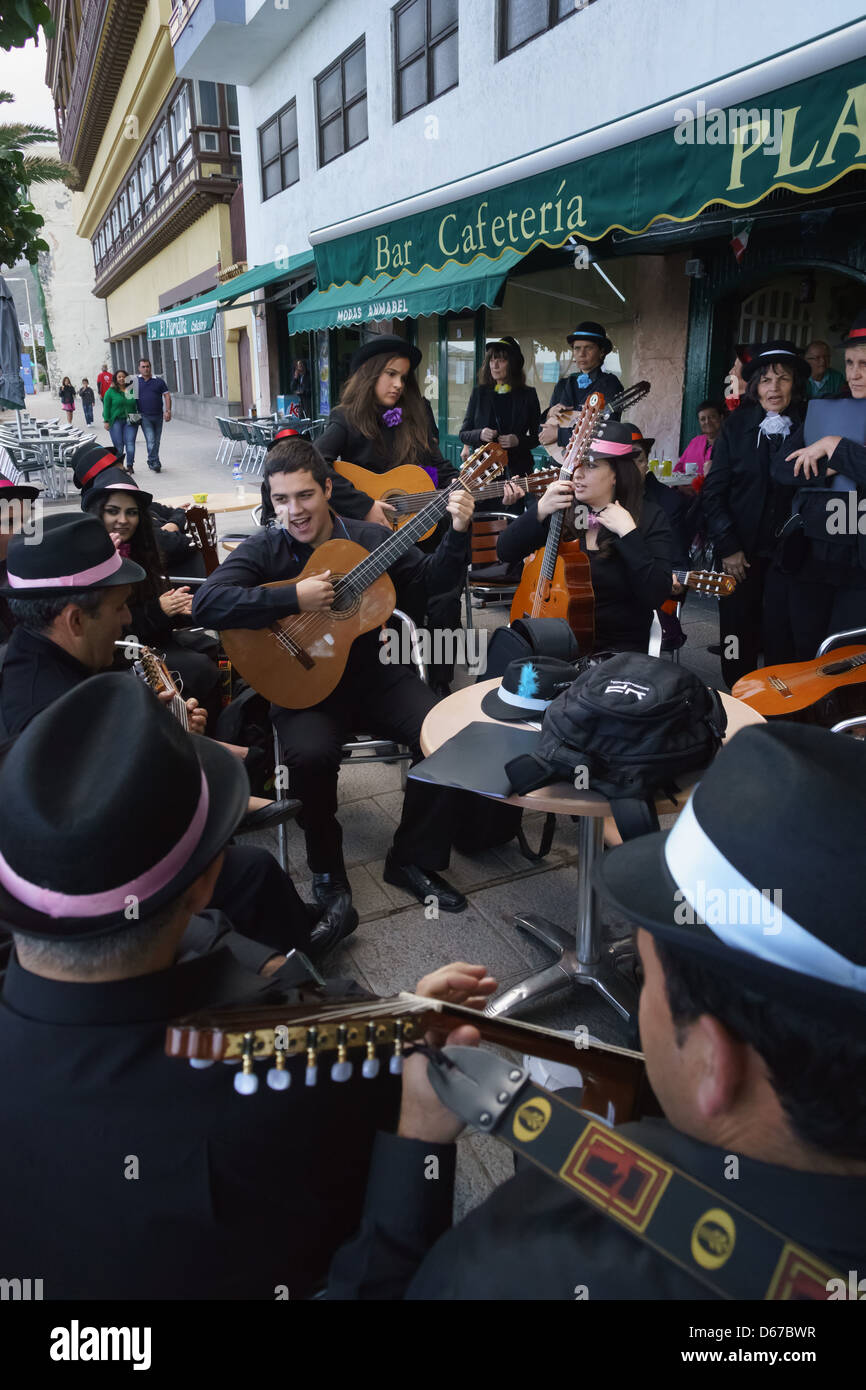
(578, 955)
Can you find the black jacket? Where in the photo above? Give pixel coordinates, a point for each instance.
(677, 505)
(567, 392)
(513, 412)
(36, 672)
(629, 584)
(232, 1195)
(743, 507)
(534, 1240)
(233, 597)
(341, 441)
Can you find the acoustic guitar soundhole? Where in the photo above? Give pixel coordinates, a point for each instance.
(346, 603)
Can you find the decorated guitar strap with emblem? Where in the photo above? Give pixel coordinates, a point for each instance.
(731, 1252)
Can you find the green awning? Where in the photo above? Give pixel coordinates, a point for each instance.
(406, 296)
(198, 315)
(802, 137)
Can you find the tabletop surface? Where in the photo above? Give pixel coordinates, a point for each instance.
(217, 501)
(463, 707)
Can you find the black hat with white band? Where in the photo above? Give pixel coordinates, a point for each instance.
(779, 350)
(761, 876)
(592, 332)
(529, 685)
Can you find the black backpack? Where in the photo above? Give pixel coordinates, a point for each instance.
(635, 723)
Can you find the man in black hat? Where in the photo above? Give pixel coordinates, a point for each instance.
(68, 596)
(752, 1013)
(17, 514)
(173, 1186)
(589, 347)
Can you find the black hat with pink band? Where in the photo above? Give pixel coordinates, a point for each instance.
(614, 441)
(75, 552)
(159, 815)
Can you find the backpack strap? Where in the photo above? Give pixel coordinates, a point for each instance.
(634, 816)
(547, 832)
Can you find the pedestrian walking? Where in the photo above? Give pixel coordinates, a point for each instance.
(103, 381)
(87, 398)
(154, 403)
(118, 405)
(67, 398)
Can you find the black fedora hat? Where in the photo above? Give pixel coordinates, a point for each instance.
(89, 460)
(75, 552)
(85, 844)
(731, 885)
(529, 685)
(385, 344)
(776, 350)
(17, 492)
(638, 440)
(509, 344)
(614, 440)
(856, 336)
(593, 332)
(113, 480)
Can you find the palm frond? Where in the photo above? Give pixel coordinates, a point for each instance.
(43, 169)
(16, 133)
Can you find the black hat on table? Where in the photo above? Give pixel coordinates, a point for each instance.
(776, 350)
(593, 332)
(89, 460)
(856, 336)
(638, 440)
(84, 844)
(113, 480)
(529, 685)
(382, 344)
(733, 885)
(75, 552)
(506, 344)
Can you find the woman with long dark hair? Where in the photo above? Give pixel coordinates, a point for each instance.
(118, 406)
(503, 408)
(382, 422)
(628, 539)
(157, 609)
(745, 507)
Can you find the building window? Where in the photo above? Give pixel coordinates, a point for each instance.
(425, 52)
(176, 365)
(145, 174)
(776, 313)
(522, 20)
(208, 141)
(216, 355)
(124, 210)
(132, 190)
(232, 107)
(235, 145)
(180, 121)
(194, 370)
(278, 151)
(160, 150)
(208, 103)
(341, 104)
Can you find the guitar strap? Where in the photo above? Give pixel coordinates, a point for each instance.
(720, 1244)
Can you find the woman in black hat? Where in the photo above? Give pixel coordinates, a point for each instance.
(628, 539)
(382, 422)
(157, 609)
(745, 506)
(589, 347)
(503, 407)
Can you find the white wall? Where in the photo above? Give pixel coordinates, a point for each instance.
(615, 57)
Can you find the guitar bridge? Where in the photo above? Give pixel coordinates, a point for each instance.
(779, 685)
(294, 648)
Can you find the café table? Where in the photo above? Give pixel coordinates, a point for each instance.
(218, 501)
(580, 956)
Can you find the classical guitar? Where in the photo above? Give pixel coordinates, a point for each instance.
(615, 1082)
(409, 488)
(557, 582)
(815, 692)
(300, 659)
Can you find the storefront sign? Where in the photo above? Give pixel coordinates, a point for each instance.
(802, 137)
(182, 325)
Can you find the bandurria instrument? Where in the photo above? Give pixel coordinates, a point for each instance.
(799, 689)
(300, 659)
(151, 669)
(410, 488)
(615, 1081)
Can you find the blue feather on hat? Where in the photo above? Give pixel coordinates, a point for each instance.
(528, 684)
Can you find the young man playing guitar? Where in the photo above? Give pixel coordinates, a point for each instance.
(386, 700)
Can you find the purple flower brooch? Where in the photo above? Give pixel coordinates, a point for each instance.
(392, 417)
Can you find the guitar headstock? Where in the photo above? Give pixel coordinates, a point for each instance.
(709, 582)
(484, 465)
(627, 398)
(582, 434)
(539, 481)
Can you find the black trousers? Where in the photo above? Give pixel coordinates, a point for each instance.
(742, 623)
(386, 702)
(803, 613)
(261, 901)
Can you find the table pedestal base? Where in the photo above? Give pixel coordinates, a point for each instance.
(567, 970)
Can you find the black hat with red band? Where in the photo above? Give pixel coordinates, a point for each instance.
(91, 460)
(856, 333)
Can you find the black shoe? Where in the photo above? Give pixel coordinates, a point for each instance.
(424, 884)
(329, 888)
(715, 649)
(266, 817)
(155, 467)
(337, 922)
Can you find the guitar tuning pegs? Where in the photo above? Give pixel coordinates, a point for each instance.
(342, 1068)
(395, 1065)
(278, 1078)
(370, 1065)
(312, 1072)
(201, 1062)
(246, 1082)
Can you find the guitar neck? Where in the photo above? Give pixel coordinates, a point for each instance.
(374, 565)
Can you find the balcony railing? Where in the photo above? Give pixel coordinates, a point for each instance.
(92, 19)
(180, 17)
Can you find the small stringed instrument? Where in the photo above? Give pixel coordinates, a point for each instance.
(410, 488)
(151, 669)
(711, 582)
(298, 660)
(615, 1082)
(815, 692)
(557, 582)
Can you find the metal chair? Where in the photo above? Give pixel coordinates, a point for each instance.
(856, 727)
(227, 442)
(363, 748)
(840, 639)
